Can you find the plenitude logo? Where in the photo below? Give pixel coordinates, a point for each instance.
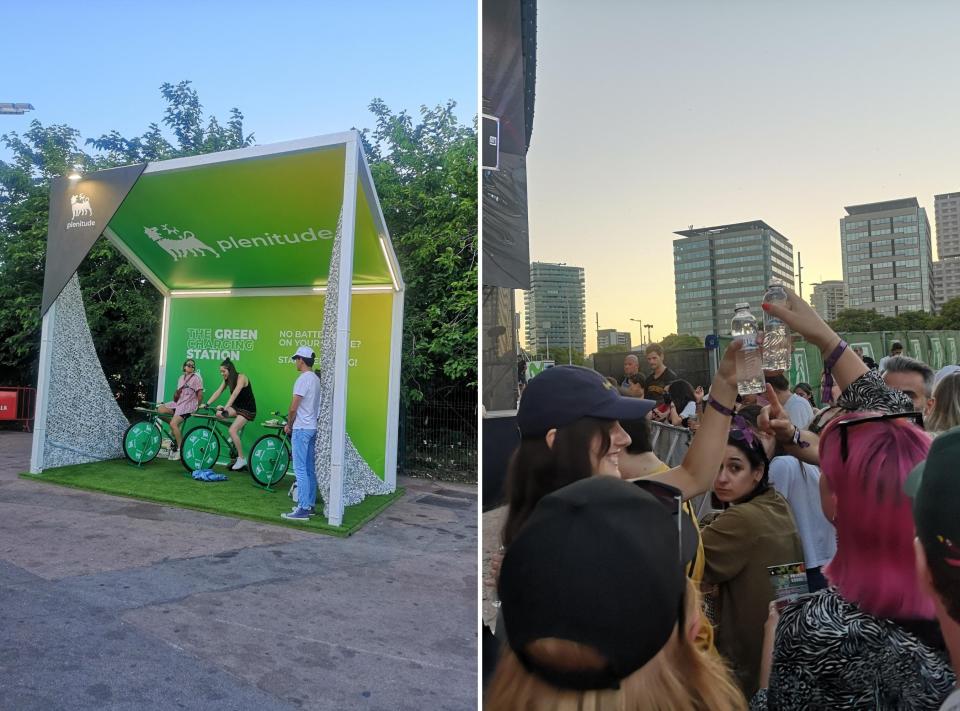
(80, 207)
(186, 244)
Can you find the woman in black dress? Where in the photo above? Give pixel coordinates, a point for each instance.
(242, 405)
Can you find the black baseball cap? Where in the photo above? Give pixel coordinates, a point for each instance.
(561, 395)
(597, 563)
(934, 487)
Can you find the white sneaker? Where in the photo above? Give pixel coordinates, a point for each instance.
(174, 455)
(239, 464)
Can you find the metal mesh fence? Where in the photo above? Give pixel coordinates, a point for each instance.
(438, 436)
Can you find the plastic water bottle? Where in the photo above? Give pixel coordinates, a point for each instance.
(749, 368)
(776, 334)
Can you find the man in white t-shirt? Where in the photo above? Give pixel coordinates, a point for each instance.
(798, 409)
(799, 484)
(302, 428)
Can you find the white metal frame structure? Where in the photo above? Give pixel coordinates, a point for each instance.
(356, 177)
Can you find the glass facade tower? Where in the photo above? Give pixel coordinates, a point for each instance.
(887, 257)
(555, 308)
(716, 267)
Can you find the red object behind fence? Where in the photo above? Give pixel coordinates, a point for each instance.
(17, 405)
(8, 404)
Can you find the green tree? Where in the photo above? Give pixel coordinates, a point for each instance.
(560, 356)
(122, 307)
(426, 176)
(949, 318)
(862, 320)
(673, 342)
(916, 321)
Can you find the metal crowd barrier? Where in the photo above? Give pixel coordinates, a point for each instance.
(669, 443)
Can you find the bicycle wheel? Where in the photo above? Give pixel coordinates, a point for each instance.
(269, 459)
(200, 449)
(141, 442)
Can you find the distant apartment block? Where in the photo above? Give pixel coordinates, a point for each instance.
(607, 337)
(946, 280)
(887, 257)
(828, 299)
(946, 210)
(714, 268)
(555, 308)
(946, 270)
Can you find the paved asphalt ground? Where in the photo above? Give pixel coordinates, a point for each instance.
(109, 603)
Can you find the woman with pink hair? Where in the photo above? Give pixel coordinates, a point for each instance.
(870, 640)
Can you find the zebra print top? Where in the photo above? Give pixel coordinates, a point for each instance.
(830, 654)
(869, 392)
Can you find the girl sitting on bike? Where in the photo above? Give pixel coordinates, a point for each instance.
(241, 404)
(185, 402)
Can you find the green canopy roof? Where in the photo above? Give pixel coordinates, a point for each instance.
(262, 217)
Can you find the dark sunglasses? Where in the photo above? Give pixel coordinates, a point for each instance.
(672, 500)
(743, 434)
(844, 425)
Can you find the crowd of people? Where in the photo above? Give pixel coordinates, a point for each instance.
(615, 592)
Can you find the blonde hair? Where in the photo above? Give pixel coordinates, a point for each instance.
(680, 676)
(946, 406)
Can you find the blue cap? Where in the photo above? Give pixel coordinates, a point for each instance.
(562, 395)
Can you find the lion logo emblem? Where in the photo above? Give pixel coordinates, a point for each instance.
(80, 205)
(184, 245)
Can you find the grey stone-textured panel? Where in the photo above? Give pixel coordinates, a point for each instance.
(359, 480)
(84, 422)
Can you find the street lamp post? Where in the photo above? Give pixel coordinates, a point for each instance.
(640, 321)
(649, 327)
(569, 339)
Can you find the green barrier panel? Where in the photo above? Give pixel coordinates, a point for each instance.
(916, 346)
(936, 349)
(951, 338)
(872, 344)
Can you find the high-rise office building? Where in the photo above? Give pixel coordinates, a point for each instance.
(607, 337)
(555, 308)
(887, 257)
(946, 270)
(946, 211)
(828, 299)
(714, 268)
(946, 280)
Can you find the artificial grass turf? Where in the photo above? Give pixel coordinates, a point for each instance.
(167, 482)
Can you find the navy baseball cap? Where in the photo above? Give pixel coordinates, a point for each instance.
(561, 395)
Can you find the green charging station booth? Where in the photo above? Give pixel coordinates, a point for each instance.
(241, 246)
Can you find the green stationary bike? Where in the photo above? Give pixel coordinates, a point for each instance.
(270, 455)
(201, 447)
(142, 440)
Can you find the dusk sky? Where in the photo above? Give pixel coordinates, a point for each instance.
(295, 69)
(650, 118)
